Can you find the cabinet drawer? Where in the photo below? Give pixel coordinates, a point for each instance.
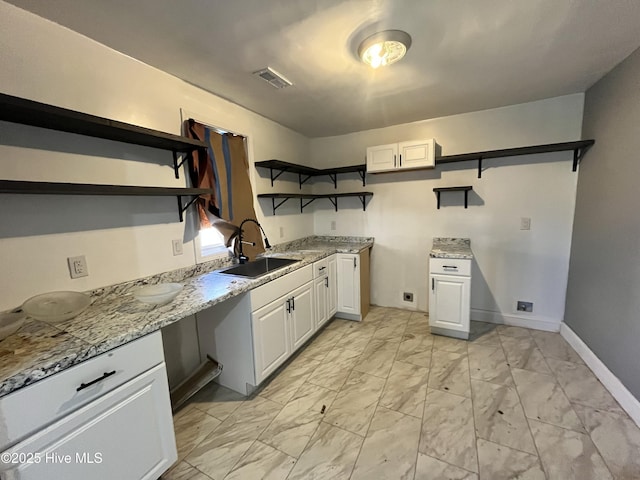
(450, 266)
(33, 407)
(126, 434)
(320, 268)
(274, 289)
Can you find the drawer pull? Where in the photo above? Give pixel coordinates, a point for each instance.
(450, 266)
(93, 382)
(321, 268)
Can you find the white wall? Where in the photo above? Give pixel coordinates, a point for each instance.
(122, 238)
(510, 264)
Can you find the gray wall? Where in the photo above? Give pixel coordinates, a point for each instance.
(603, 294)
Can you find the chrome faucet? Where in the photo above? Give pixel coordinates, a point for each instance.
(242, 258)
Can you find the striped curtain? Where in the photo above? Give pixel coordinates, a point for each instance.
(225, 169)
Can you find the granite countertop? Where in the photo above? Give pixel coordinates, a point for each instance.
(40, 349)
(451, 248)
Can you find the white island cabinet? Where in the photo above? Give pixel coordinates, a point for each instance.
(109, 417)
(449, 296)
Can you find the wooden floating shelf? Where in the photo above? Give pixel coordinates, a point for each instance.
(305, 173)
(333, 197)
(464, 189)
(54, 188)
(579, 149)
(28, 112)
(36, 114)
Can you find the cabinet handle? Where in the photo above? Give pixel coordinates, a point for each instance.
(326, 282)
(93, 382)
(433, 284)
(450, 266)
(321, 268)
(293, 303)
(355, 264)
(394, 161)
(288, 305)
(400, 159)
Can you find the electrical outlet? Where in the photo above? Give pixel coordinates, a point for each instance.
(177, 247)
(525, 223)
(78, 266)
(524, 306)
(407, 296)
(333, 225)
(281, 232)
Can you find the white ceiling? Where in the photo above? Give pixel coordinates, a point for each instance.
(466, 55)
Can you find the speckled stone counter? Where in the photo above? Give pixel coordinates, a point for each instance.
(451, 248)
(39, 349)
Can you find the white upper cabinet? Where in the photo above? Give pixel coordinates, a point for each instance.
(401, 156)
(383, 158)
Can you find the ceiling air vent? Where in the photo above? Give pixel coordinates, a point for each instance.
(273, 78)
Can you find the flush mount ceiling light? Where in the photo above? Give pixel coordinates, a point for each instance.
(384, 48)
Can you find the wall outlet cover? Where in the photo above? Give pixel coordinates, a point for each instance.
(524, 306)
(78, 266)
(333, 224)
(525, 223)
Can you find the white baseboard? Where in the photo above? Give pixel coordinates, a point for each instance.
(537, 323)
(624, 397)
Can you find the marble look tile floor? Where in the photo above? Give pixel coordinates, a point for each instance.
(384, 399)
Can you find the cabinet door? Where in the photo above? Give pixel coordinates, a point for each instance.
(125, 434)
(302, 316)
(348, 283)
(449, 302)
(416, 154)
(270, 337)
(382, 158)
(332, 286)
(322, 313)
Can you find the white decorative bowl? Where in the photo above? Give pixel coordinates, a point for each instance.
(56, 306)
(10, 322)
(158, 294)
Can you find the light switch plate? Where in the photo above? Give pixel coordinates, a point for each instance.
(525, 223)
(177, 247)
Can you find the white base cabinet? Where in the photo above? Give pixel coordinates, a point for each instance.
(124, 432)
(349, 283)
(325, 286)
(282, 324)
(353, 285)
(271, 341)
(281, 327)
(449, 297)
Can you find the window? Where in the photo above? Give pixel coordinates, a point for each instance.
(211, 243)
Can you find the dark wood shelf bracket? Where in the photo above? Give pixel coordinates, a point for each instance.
(182, 208)
(304, 204)
(464, 189)
(578, 154)
(300, 180)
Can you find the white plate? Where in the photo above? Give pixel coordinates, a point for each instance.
(158, 294)
(56, 306)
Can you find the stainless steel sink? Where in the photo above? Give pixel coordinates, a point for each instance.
(259, 267)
